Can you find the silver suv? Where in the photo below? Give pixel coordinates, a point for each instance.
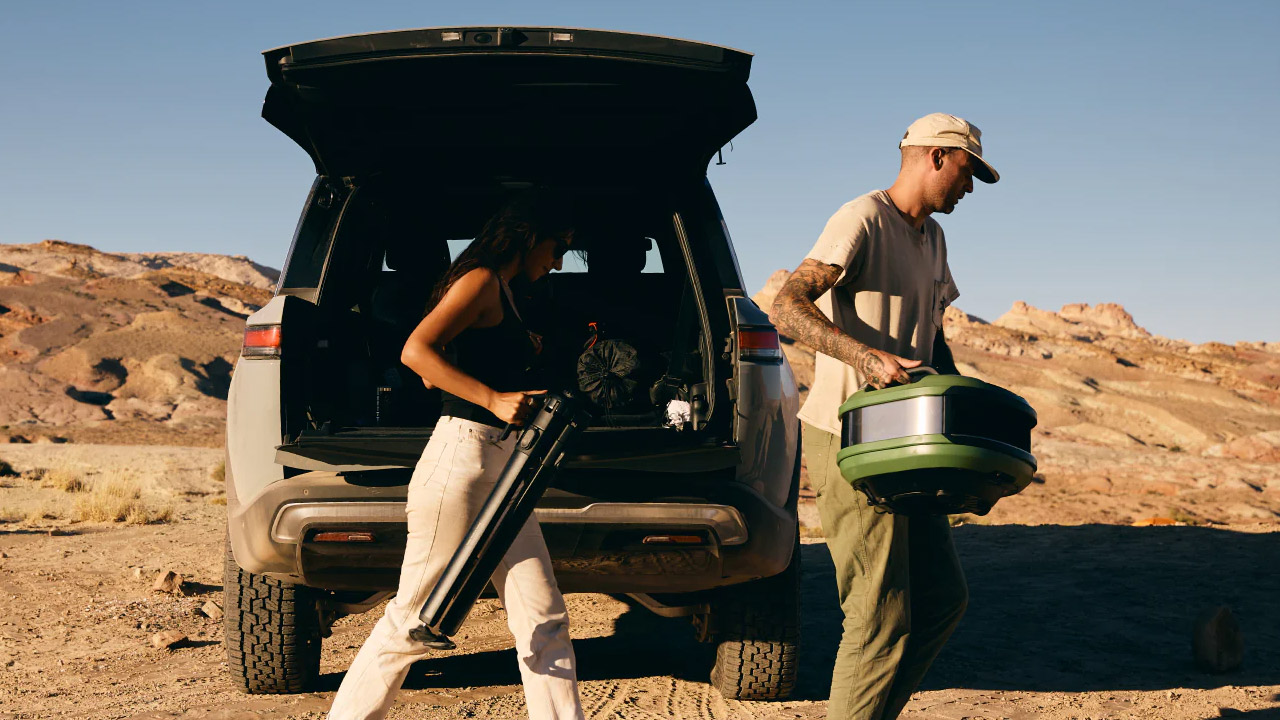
(683, 497)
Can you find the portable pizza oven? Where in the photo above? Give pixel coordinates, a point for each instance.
(941, 444)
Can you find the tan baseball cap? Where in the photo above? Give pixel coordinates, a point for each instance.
(949, 131)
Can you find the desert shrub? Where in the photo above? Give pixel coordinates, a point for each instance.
(219, 472)
(37, 513)
(119, 499)
(218, 500)
(64, 480)
(6, 470)
(10, 515)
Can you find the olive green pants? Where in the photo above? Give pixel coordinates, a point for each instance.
(900, 586)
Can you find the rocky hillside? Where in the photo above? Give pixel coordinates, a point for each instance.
(1121, 408)
(120, 346)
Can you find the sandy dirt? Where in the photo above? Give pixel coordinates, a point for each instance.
(1065, 621)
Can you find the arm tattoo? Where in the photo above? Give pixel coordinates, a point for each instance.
(798, 317)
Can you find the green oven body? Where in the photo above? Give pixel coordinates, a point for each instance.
(943, 444)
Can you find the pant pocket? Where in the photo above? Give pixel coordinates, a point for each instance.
(816, 445)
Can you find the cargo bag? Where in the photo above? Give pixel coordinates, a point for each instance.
(941, 444)
(539, 449)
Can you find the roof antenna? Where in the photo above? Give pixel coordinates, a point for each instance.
(720, 154)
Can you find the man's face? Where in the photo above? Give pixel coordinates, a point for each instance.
(950, 182)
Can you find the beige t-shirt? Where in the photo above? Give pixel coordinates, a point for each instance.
(891, 295)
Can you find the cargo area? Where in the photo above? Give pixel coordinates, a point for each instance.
(360, 277)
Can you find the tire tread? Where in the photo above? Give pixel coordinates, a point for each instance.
(270, 631)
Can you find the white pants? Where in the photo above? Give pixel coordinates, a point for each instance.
(453, 478)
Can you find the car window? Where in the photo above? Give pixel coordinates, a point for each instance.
(653, 258)
(574, 262)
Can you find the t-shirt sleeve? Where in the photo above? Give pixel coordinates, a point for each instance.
(947, 290)
(843, 242)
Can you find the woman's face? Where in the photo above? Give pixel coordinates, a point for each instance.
(546, 255)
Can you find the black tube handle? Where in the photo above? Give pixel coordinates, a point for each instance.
(914, 373)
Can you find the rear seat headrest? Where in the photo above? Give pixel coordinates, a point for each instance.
(617, 255)
(426, 256)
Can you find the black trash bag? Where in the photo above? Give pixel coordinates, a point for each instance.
(608, 374)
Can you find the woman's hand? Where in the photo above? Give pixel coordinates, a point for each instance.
(514, 407)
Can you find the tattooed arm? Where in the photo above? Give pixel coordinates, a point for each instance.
(798, 317)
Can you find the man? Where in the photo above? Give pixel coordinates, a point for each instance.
(869, 298)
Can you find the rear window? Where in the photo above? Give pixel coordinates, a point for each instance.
(405, 234)
(575, 262)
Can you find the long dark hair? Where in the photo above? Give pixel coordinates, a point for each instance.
(509, 235)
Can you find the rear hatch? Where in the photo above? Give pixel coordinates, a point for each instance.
(489, 100)
(494, 104)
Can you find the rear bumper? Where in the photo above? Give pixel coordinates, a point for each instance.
(294, 520)
(596, 546)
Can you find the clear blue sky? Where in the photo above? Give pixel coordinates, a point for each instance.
(1136, 140)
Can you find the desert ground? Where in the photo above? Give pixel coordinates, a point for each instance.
(1157, 501)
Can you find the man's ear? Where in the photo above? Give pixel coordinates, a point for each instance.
(935, 157)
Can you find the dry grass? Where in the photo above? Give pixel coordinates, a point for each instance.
(39, 513)
(64, 480)
(10, 515)
(218, 500)
(119, 499)
(219, 472)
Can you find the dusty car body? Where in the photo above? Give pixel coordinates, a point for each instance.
(416, 136)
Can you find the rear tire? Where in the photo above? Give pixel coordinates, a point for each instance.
(757, 637)
(271, 632)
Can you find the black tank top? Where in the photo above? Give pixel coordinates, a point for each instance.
(497, 356)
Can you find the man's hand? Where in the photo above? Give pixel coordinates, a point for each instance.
(880, 368)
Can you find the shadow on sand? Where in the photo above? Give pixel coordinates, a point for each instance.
(642, 645)
(1052, 608)
(1082, 608)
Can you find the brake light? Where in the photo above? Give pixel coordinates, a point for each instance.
(261, 341)
(343, 537)
(672, 540)
(759, 344)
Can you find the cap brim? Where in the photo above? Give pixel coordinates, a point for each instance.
(983, 170)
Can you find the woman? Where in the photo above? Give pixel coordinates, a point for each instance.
(483, 389)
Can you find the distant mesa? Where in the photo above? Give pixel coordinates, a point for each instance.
(1075, 320)
(64, 259)
(101, 344)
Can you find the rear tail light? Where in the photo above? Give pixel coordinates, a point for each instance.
(759, 343)
(672, 540)
(261, 341)
(363, 537)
